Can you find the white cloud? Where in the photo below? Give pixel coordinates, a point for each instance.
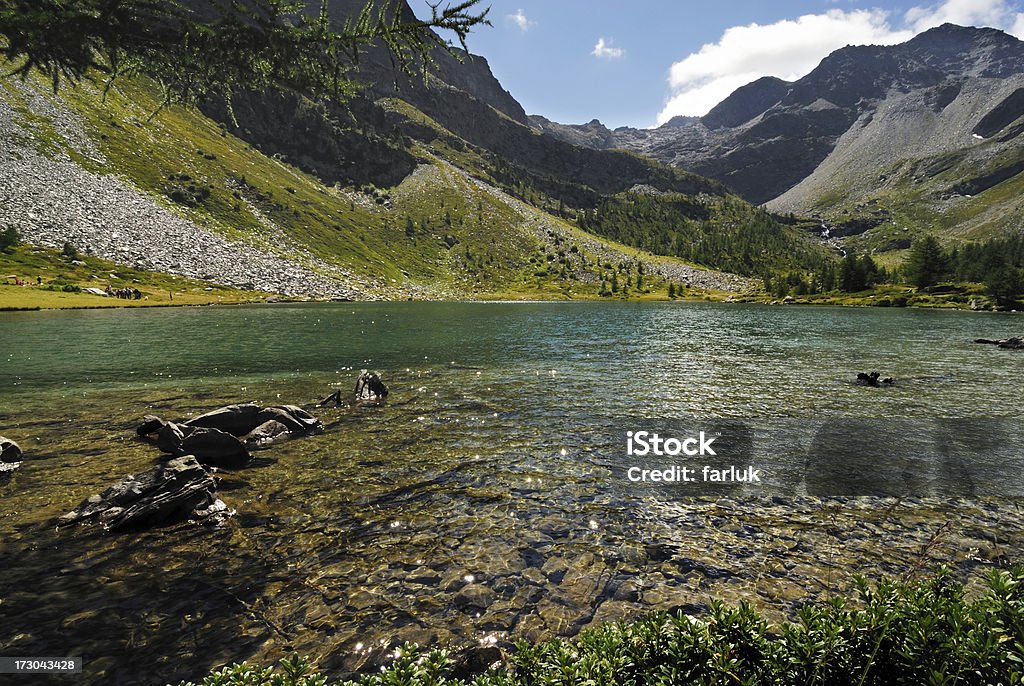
(605, 50)
(1018, 26)
(520, 20)
(962, 12)
(791, 48)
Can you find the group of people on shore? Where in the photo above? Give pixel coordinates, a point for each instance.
(26, 282)
(124, 293)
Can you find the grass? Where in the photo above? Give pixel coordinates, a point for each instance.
(436, 234)
(55, 279)
(893, 632)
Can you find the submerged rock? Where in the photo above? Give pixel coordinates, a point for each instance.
(474, 597)
(178, 490)
(9, 450)
(472, 661)
(1012, 343)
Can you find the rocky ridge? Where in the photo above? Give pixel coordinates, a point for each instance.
(863, 109)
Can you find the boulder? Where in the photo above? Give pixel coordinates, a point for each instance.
(298, 421)
(169, 438)
(9, 450)
(237, 420)
(369, 387)
(178, 490)
(216, 448)
(265, 434)
(151, 424)
(222, 438)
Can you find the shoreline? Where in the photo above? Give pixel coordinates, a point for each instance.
(725, 299)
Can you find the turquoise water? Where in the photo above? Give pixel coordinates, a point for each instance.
(496, 464)
(617, 358)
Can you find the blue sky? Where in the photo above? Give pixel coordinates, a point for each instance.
(639, 62)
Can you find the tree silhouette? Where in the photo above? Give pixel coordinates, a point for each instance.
(200, 48)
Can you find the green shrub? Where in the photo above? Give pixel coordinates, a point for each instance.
(893, 633)
(9, 238)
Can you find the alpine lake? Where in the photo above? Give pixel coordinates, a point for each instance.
(487, 500)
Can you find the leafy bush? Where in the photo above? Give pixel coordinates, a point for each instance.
(892, 633)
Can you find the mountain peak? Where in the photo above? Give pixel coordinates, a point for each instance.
(746, 102)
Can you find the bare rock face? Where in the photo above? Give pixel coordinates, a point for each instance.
(176, 491)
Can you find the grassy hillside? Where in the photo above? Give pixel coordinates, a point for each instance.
(465, 223)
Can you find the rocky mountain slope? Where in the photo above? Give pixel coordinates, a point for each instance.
(433, 187)
(907, 135)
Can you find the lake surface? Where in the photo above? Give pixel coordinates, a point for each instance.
(488, 498)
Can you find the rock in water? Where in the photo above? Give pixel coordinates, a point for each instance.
(873, 380)
(298, 421)
(150, 425)
(237, 420)
(1012, 343)
(212, 447)
(369, 387)
(9, 450)
(265, 434)
(7, 469)
(173, 492)
(222, 438)
(473, 661)
(169, 438)
(216, 448)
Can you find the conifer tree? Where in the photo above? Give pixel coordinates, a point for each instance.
(200, 48)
